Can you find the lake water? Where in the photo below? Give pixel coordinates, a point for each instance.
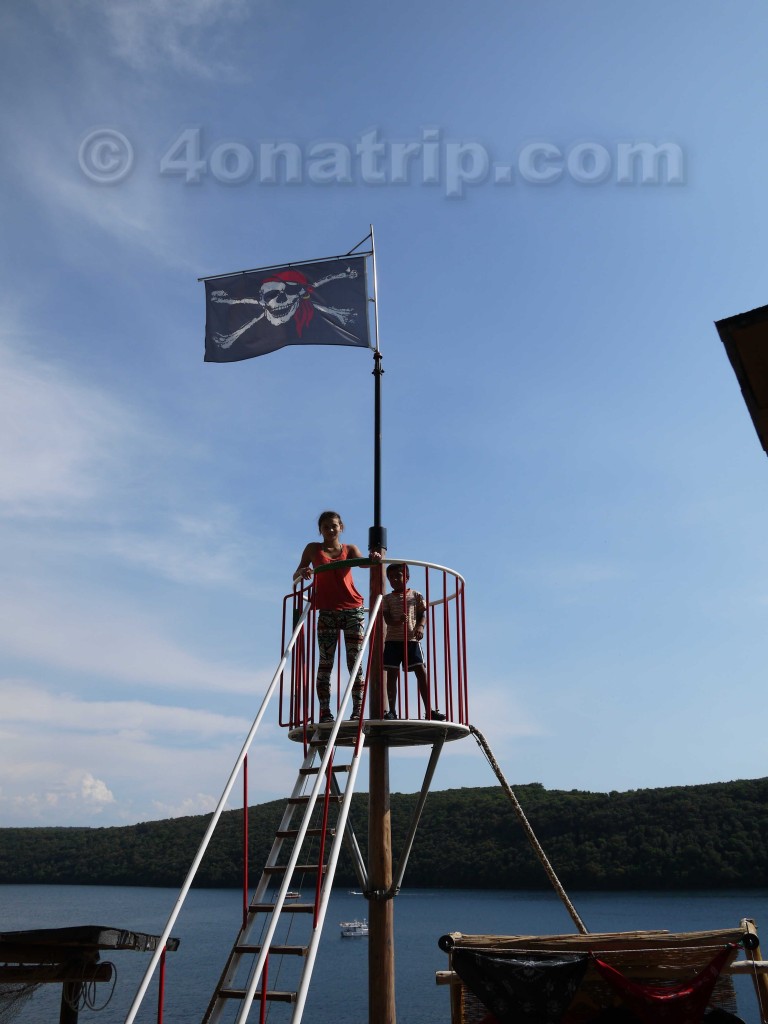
(209, 921)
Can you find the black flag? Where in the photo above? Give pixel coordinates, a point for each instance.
(259, 311)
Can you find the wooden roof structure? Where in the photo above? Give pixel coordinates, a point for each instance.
(68, 957)
(745, 337)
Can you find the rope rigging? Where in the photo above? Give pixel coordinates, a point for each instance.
(536, 845)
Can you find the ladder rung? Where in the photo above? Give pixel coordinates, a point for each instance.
(300, 869)
(316, 769)
(273, 950)
(272, 995)
(291, 833)
(289, 908)
(299, 800)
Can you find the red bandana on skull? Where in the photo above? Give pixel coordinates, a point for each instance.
(305, 310)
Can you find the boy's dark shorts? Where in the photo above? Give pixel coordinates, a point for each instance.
(393, 654)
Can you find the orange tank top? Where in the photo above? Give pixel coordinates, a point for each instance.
(334, 590)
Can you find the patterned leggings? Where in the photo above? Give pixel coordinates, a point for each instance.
(352, 624)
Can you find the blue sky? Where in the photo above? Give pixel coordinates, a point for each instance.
(561, 424)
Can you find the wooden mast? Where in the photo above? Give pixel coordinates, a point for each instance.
(381, 939)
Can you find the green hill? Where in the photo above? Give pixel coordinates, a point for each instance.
(684, 837)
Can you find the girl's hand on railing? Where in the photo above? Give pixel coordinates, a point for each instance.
(363, 562)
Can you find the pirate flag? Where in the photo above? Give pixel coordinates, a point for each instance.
(258, 311)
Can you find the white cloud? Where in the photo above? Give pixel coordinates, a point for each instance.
(95, 791)
(44, 148)
(55, 435)
(73, 453)
(112, 642)
(137, 213)
(31, 704)
(195, 549)
(65, 759)
(74, 790)
(501, 715)
(200, 803)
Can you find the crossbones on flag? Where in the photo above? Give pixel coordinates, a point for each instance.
(258, 311)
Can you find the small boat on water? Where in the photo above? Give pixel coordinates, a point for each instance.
(354, 929)
(292, 895)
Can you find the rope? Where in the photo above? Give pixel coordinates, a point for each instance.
(87, 992)
(756, 983)
(537, 849)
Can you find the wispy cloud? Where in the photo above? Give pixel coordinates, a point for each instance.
(115, 642)
(71, 791)
(138, 215)
(73, 453)
(199, 803)
(500, 713)
(155, 32)
(30, 704)
(64, 758)
(56, 435)
(188, 549)
(150, 35)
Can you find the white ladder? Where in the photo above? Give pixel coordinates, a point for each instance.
(267, 964)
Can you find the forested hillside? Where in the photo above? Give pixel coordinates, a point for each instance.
(712, 836)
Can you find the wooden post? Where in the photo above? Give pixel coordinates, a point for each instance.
(760, 979)
(381, 940)
(70, 997)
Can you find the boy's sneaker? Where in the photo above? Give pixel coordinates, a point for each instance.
(437, 716)
(389, 716)
(326, 715)
(355, 713)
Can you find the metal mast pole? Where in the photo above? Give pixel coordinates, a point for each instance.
(381, 939)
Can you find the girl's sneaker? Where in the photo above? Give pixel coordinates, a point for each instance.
(326, 715)
(390, 716)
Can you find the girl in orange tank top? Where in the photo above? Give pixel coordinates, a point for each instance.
(340, 608)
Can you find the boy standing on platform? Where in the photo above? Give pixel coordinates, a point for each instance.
(405, 613)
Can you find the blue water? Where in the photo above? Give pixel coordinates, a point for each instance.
(209, 921)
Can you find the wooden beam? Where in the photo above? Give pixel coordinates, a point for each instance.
(44, 974)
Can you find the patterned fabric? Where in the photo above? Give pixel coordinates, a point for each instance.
(393, 605)
(329, 625)
(530, 989)
(681, 1003)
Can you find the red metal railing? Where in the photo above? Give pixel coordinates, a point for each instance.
(445, 665)
(445, 651)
